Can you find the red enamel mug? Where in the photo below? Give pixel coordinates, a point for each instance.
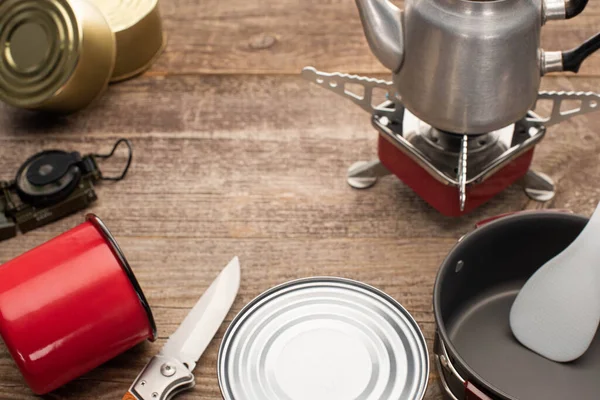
(70, 305)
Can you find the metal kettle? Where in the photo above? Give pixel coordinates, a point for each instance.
(469, 66)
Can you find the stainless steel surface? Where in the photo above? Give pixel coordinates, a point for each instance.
(364, 174)
(157, 383)
(439, 153)
(169, 373)
(323, 339)
(538, 186)
(462, 172)
(343, 85)
(552, 61)
(382, 23)
(480, 59)
(555, 10)
(168, 369)
(200, 326)
(589, 102)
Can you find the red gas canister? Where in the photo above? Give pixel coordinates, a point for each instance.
(70, 305)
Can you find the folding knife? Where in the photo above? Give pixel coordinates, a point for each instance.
(170, 372)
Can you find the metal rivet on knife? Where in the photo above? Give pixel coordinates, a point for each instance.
(168, 370)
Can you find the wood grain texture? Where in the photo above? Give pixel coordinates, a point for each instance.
(282, 36)
(236, 155)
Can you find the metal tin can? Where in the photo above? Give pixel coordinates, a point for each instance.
(70, 305)
(137, 26)
(322, 339)
(55, 55)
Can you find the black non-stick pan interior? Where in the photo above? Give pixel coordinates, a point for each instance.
(477, 285)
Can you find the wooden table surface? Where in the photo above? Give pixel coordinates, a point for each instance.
(236, 155)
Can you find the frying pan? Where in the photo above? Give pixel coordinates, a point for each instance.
(477, 356)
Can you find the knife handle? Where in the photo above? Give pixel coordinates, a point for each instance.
(129, 396)
(162, 379)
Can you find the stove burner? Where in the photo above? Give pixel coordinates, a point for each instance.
(445, 142)
(454, 173)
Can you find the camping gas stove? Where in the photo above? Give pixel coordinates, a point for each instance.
(453, 173)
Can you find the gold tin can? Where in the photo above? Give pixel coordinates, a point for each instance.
(138, 29)
(56, 55)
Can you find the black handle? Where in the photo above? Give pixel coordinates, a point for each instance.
(575, 7)
(573, 59)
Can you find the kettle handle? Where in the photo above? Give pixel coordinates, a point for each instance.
(572, 59)
(574, 7)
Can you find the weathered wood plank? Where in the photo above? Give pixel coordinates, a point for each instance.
(260, 175)
(282, 36)
(255, 165)
(247, 107)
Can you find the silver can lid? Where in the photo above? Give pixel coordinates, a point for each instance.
(323, 339)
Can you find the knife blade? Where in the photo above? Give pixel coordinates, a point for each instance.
(170, 372)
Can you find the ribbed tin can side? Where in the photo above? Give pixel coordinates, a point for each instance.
(57, 55)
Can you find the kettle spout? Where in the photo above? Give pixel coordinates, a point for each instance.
(382, 23)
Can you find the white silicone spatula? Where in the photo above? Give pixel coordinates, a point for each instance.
(557, 312)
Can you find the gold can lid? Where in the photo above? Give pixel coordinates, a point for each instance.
(40, 42)
(138, 30)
